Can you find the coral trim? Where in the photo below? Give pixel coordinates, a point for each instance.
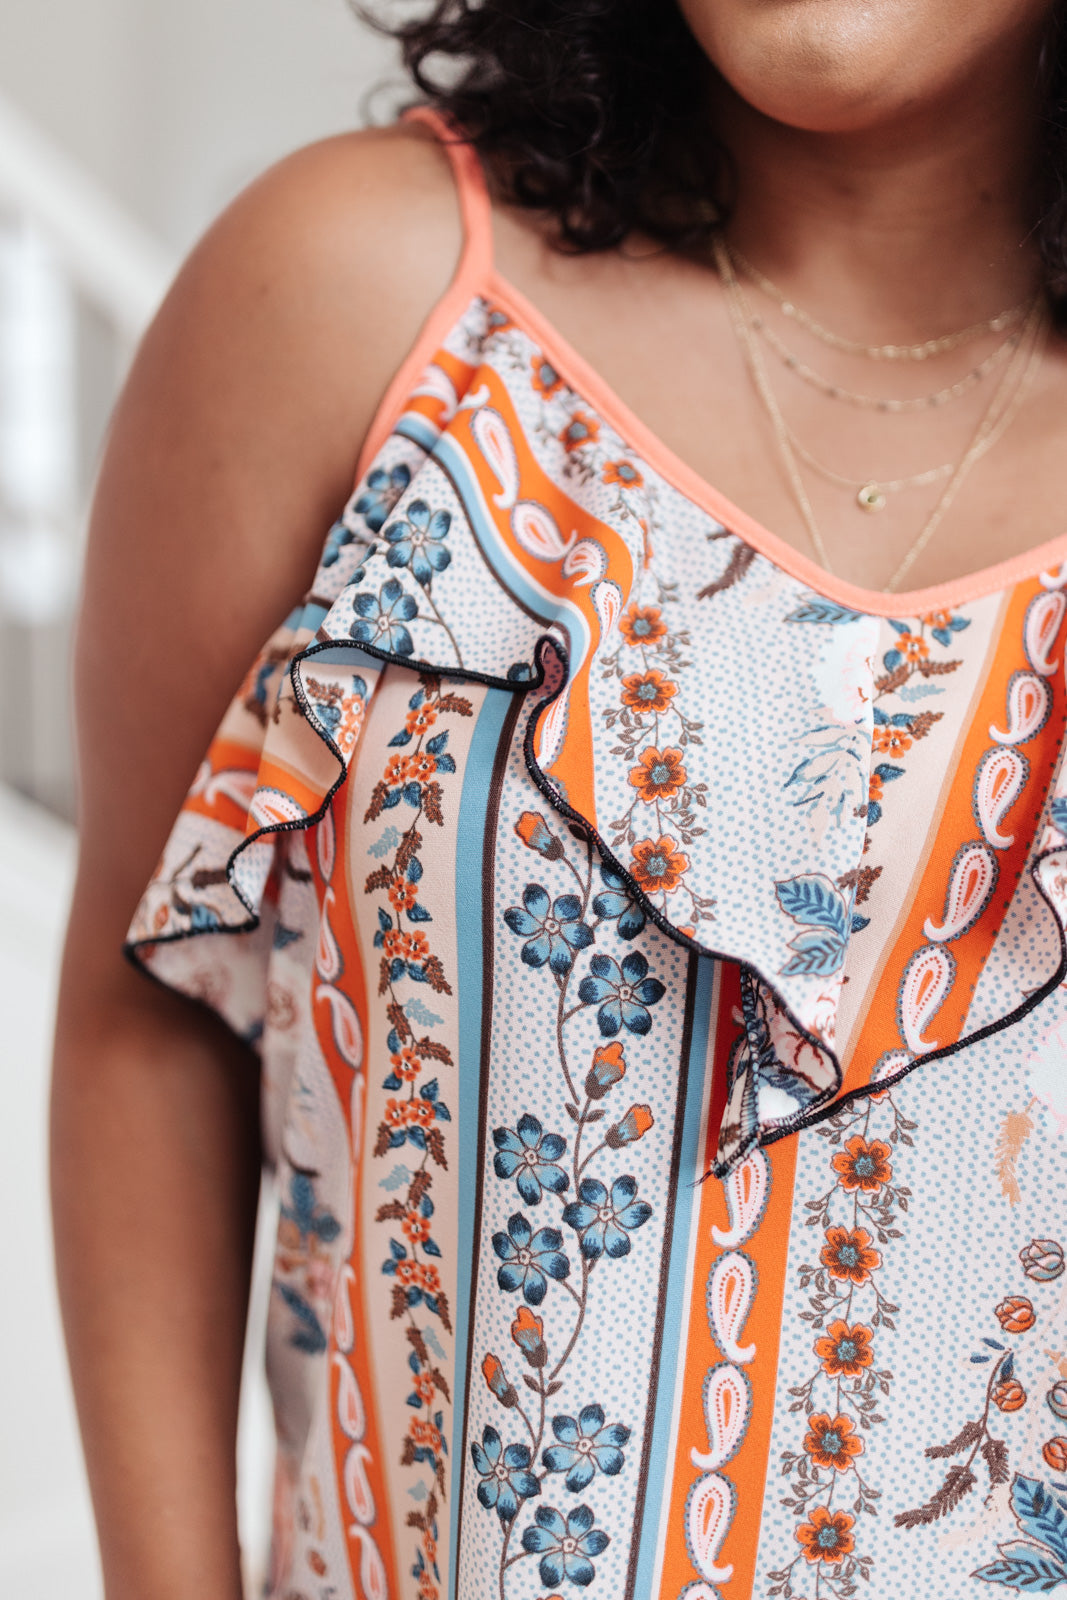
(476, 274)
(591, 387)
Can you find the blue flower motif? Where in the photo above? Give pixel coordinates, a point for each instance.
(605, 1221)
(623, 994)
(527, 1257)
(565, 1545)
(584, 1445)
(529, 1155)
(380, 618)
(504, 1472)
(338, 537)
(554, 930)
(416, 542)
(381, 494)
(614, 901)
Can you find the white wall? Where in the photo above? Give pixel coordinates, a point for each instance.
(175, 104)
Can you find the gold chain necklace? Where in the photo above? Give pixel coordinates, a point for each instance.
(872, 493)
(994, 420)
(878, 352)
(870, 402)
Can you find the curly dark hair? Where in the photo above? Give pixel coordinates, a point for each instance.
(595, 111)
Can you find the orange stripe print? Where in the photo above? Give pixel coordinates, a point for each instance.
(1005, 764)
(571, 768)
(340, 1017)
(727, 1405)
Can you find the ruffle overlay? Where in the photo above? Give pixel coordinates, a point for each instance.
(719, 739)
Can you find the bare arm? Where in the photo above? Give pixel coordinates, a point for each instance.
(231, 452)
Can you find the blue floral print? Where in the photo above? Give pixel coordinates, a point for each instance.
(380, 619)
(812, 900)
(623, 994)
(554, 930)
(604, 1221)
(614, 903)
(530, 1156)
(505, 1474)
(528, 1259)
(1037, 1563)
(417, 543)
(565, 1545)
(574, 1443)
(381, 494)
(586, 1444)
(338, 537)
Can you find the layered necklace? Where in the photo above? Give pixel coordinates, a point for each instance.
(1024, 326)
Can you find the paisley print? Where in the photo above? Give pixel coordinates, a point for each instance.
(654, 950)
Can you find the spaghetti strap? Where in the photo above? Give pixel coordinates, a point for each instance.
(472, 276)
(472, 190)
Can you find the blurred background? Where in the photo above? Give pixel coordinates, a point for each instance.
(125, 126)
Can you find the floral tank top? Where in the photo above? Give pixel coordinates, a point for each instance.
(654, 948)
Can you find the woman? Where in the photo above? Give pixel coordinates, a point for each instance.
(578, 839)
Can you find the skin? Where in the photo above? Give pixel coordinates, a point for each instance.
(884, 155)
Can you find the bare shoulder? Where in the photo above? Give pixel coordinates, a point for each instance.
(231, 451)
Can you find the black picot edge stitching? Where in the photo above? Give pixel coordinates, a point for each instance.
(299, 824)
(827, 1102)
(830, 1100)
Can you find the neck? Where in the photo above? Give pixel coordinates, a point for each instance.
(898, 232)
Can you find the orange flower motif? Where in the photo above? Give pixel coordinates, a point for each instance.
(1016, 1314)
(428, 1589)
(402, 894)
(580, 430)
(351, 722)
(912, 646)
(546, 380)
(657, 865)
(844, 1351)
(416, 1227)
(659, 775)
(624, 473)
(862, 1166)
(420, 1113)
(407, 1273)
(1009, 1395)
(406, 1064)
(847, 1255)
(1055, 1454)
(396, 1113)
(937, 619)
(528, 1331)
(827, 1536)
(832, 1442)
(648, 691)
(875, 789)
(397, 771)
(425, 1435)
(424, 1388)
(891, 741)
(393, 943)
(428, 1278)
(421, 719)
(413, 946)
(495, 1376)
(642, 625)
(422, 766)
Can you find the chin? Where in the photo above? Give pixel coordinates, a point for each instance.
(838, 66)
